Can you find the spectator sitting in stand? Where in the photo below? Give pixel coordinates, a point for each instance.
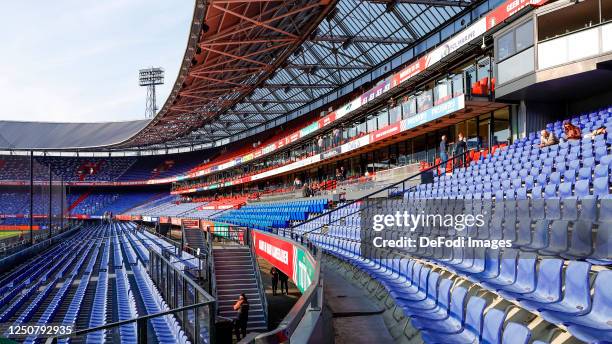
(547, 138)
(599, 131)
(572, 132)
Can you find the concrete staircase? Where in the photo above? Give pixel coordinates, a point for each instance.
(195, 239)
(235, 274)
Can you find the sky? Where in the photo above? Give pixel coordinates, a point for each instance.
(78, 60)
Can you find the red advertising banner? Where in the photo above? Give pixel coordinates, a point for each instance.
(411, 70)
(175, 221)
(385, 132)
(277, 252)
(164, 219)
(327, 119)
(136, 218)
(18, 227)
(509, 8)
(191, 223)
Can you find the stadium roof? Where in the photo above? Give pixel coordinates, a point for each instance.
(44, 136)
(259, 60)
(252, 65)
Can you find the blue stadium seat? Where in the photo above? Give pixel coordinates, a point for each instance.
(516, 334)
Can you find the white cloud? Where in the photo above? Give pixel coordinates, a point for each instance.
(70, 60)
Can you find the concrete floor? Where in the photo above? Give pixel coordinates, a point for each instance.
(356, 318)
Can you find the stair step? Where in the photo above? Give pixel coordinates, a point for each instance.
(231, 302)
(244, 284)
(250, 284)
(254, 307)
(229, 279)
(251, 293)
(233, 261)
(253, 318)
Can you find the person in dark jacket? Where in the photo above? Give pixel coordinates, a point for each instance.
(442, 152)
(274, 273)
(242, 316)
(460, 149)
(284, 282)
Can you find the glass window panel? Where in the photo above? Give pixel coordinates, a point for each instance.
(424, 100)
(606, 10)
(501, 127)
(524, 36)
(505, 46)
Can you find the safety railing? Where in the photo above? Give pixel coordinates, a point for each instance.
(299, 323)
(188, 302)
(391, 190)
(261, 288)
(179, 290)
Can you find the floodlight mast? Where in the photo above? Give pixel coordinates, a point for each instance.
(151, 77)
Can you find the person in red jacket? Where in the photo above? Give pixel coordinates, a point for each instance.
(572, 132)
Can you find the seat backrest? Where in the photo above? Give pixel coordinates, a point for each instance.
(444, 293)
(492, 327)
(565, 189)
(601, 186)
(603, 241)
(475, 314)
(516, 334)
(582, 188)
(577, 286)
(602, 297)
(582, 237)
(458, 303)
(549, 278)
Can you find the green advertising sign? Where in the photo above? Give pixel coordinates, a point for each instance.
(221, 229)
(309, 129)
(303, 269)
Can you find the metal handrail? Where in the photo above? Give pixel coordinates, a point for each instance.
(211, 268)
(261, 289)
(311, 299)
(139, 321)
(386, 188)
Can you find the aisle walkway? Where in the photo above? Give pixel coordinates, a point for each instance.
(356, 319)
(279, 305)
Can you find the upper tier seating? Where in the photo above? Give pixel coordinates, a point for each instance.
(99, 202)
(574, 168)
(169, 207)
(92, 169)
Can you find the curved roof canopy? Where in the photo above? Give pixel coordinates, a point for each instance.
(46, 135)
(248, 63)
(259, 60)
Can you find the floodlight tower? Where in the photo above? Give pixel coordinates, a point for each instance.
(151, 77)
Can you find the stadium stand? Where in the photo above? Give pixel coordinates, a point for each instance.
(75, 285)
(367, 109)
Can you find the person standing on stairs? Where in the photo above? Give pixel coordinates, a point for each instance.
(283, 281)
(242, 316)
(274, 273)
